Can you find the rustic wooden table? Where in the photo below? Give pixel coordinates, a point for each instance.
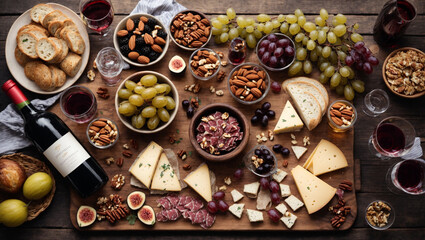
(55, 223)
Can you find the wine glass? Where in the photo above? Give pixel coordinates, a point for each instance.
(376, 102)
(407, 176)
(393, 137)
(97, 15)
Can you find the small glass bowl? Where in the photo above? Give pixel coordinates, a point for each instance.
(212, 75)
(268, 82)
(340, 128)
(91, 133)
(279, 36)
(248, 162)
(390, 219)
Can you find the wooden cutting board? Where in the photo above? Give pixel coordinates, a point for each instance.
(179, 128)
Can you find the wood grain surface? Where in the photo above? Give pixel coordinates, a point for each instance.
(55, 223)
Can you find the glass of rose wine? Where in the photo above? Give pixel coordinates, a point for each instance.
(97, 15)
(393, 137)
(407, 176)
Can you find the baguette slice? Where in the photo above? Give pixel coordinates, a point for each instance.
(310, 80)
(34, 26)
(63, 50)
(47, 49)
(308, 107)
(27, 44)
(308, 87)
(58, 76)
(40, 74)
(69, 25)
(54, 26)
(75, 42)
(71, 64)
(56, 15)
(20, 57)
(39, 11)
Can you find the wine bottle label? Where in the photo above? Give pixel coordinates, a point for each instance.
(66, 154)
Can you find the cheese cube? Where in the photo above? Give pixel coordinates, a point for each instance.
(237, 209)
(236, 195)
(279, 175)
(289, 219)
(282, 208)
(285, 190)
(254, 215)
(251, 189)
(289, 121)
(299, 151)
(294, 202)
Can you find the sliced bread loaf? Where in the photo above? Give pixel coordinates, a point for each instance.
(71, 64)
(300, 87)
(310, 80)
(47, 49)
(308, 107)
(75, 42)
(39, 11)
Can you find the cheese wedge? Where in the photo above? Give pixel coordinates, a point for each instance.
(316, 83)
(236, 195)
(299, 151)
(314, 191)
(237, 209)
(200, 181)
(326, 157)
(289, 121)
(254, 215)
(165, 178)
(144, 166)
(289, 219)
(308, 107)
(306, 86)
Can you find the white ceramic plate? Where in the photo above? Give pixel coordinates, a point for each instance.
(18, 71)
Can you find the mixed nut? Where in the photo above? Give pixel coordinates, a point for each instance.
(342, 114)
(248, 83)
(204, 63)
(378, 213)
(190, 29)
(102, 132)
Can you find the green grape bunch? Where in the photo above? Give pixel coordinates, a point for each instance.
(327, 42)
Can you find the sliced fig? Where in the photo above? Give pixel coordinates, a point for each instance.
(86, 216)
(147, 215)
(177, 64)
(135, 200)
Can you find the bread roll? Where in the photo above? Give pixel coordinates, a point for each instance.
(12, 176)
(40, 74)
(71, 64)
(20, 57)
(39, 11)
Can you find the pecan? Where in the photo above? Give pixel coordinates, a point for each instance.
(346, 185)
(187, 166)
(221, 75)
(127, 154)
(197, 88)
(182, 154)
(120, 162)
(134, 144)
(102, 132)
(194, 102)
(102, 93)
(341, 114)
(247, 78)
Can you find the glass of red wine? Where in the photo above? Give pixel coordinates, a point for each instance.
(393, 21)
(407, 176)
(393, 137)
(97, 15)
(79, 104)
(237, 51)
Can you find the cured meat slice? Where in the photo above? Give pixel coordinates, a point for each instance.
(186, 214)
(174, 200)
(161, 217)
(185, 200)
(209, 221)
(172, 214)
(165, 203)
(200, 216)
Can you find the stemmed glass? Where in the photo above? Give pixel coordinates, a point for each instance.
(393, 137)
(97, 15)
(407, 176)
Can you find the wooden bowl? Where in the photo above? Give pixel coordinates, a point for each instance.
(161, 79)
(212, 108)
(384, 76)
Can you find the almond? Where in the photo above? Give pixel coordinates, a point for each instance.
(259, 83)
(233, 89)
(122, 33)
(239, 92)
(148, 39)
(251, 85)
(256, 92)
(160, 41)
(141, 26)
(129, 24)
(252, 76)
(143, 59)
(99, 124)
(262, 74)
(238, 83)
(132, 42)
(133, 55)
(156, 48)
(144, 19)
(242, 78)
(337, 121)
(249, 98)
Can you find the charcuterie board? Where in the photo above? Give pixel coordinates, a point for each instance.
(179, 128)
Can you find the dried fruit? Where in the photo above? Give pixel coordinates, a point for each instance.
(86, 216)
(135, 200)
(147, 215)
(177, 64)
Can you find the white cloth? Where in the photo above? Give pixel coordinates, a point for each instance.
(164, 10)
(12, 135)
(416, 150)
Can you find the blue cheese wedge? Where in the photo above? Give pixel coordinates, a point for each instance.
(299, 151)
(144, 167)
(279, 175)
(165, 178)
(254, 215)
(282, 208)
(289, 121)
(251, 189)
(237, 209)
(289, 219)
(285, 190)
(236, 195)
(294, 203)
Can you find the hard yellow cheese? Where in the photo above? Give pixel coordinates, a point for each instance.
(326, 157)
(314, 191)
(144, 166)
(200, 181)
(289, 121)
(165, 178)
